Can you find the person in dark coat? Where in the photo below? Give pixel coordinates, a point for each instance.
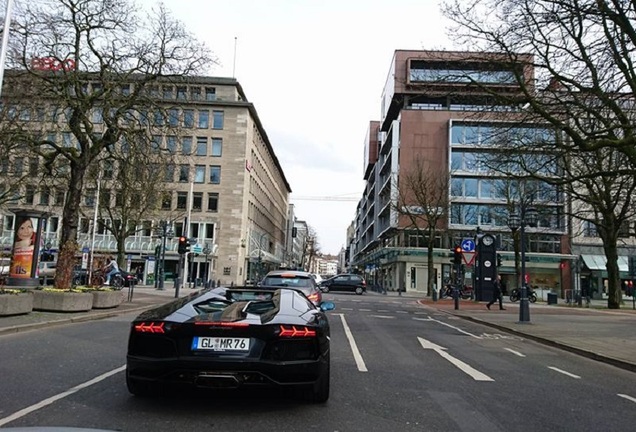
(496, 294)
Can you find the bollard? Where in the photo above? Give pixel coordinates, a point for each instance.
(456, 297)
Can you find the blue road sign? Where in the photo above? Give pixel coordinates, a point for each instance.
(468, 245)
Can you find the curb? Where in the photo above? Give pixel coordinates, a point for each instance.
(631, 367)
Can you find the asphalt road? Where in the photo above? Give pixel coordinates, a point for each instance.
(396, 366)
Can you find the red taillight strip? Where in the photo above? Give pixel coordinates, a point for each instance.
(313, 296)
(221, 324)
(296, 332)
(151, 327)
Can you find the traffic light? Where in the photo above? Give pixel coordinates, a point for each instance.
(498, 260)
(457, 255)
(184, 245)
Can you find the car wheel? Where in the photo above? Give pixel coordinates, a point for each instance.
(325, 289)
(359, 290)
(320, 391)
(138, 388)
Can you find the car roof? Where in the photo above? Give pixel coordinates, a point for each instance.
(288, 273)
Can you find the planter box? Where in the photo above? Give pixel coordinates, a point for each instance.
(107, 299)
(16, 304)
(62, 301)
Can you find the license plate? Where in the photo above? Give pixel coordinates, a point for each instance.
(220, 344)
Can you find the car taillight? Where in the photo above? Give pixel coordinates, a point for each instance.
(150, 327)
(293, 331)
(364, 282)
(314, 297)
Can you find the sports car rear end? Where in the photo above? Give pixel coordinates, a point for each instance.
(231, 339)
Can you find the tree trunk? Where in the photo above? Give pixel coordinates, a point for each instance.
(68, 236)
(431, 268)
(613, 277)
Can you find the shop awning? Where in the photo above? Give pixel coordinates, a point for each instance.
(599, 262)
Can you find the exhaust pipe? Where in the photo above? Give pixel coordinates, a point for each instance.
(215, 380)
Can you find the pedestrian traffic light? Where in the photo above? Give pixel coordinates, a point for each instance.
(184, 245)
(457, 255)
(498, 260)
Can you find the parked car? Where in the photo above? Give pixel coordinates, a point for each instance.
(316, 277)
(345, 282)
(46, 271)
(294, 279)
(230, 338)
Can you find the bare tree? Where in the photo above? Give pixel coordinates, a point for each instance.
(583, 87)
(97, 63)
(424, 202)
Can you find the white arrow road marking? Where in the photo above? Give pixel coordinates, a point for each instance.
(467, 369)
(354, 347)
(16, 415)
(629, 398)
(564, 372)
(517, 353)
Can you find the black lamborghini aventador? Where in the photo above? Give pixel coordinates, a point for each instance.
(230, 338)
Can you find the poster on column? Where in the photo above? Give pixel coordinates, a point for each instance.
(23, 247)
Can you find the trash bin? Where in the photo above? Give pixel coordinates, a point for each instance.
(552, 298)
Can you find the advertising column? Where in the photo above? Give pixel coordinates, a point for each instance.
(26, 249)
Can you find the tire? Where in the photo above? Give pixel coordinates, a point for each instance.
(359, 290)
(532, 297)
(514, 296)
(324, 289)
(320, 390)
(138, 388)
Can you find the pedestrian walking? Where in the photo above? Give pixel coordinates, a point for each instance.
(496, 294)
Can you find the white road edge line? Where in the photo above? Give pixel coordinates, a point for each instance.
(629, 398)
(456, 328)
(517, 353)
(354, 348)
(564, 372)
(48, 401)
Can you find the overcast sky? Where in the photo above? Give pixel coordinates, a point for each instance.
(314, 70)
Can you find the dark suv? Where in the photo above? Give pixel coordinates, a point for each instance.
(344, 282)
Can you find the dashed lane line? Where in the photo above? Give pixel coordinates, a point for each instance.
(354, 347)
(629, 398)
(517, 353)
(571, 375)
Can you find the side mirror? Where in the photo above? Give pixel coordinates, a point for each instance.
(327, 306)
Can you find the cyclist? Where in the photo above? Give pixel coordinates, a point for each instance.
(111, 269)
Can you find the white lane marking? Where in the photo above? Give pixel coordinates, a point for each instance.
(48, 401)
(464, 367)
(456, 328)
(354, 348)
(402, 312)
(517, 353)
(564, 372)
(629, 398)
(383, 316)
(423, 319)
(382, 310)
(347, 309)
(365, 310)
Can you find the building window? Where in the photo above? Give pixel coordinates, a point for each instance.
(98, 116)
(4, 167)
(188, 118)
(213, 202)
(166, 201)
(217, 119)
(217, 146)
(167, 92)
(29, 195)
(204, 119)
(589, 229)
(33, 166)
(18, 167)
(209, 231)
(169, 174)
(171, 144)
(160, 119)
(104, 199)
(90, 197)
(173, 117)
(202, 146)
(84, 226)
(45, 196)
(215, 174)
(59, 197)
(197, 201)
(181, 93)
(195, 93)
(184, 173)
(155, 144)
(182, 200)
(199, 173)
(186, 146)
(210, 93)
(227, 271)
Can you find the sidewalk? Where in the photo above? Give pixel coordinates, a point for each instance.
(600, 334)
(143, 297)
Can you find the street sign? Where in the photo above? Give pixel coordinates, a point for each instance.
(197, 249)
(469, 257)
(468, 245)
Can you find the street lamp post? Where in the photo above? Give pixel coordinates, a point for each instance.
(518, 222)
(206, 251)
(166, 232)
